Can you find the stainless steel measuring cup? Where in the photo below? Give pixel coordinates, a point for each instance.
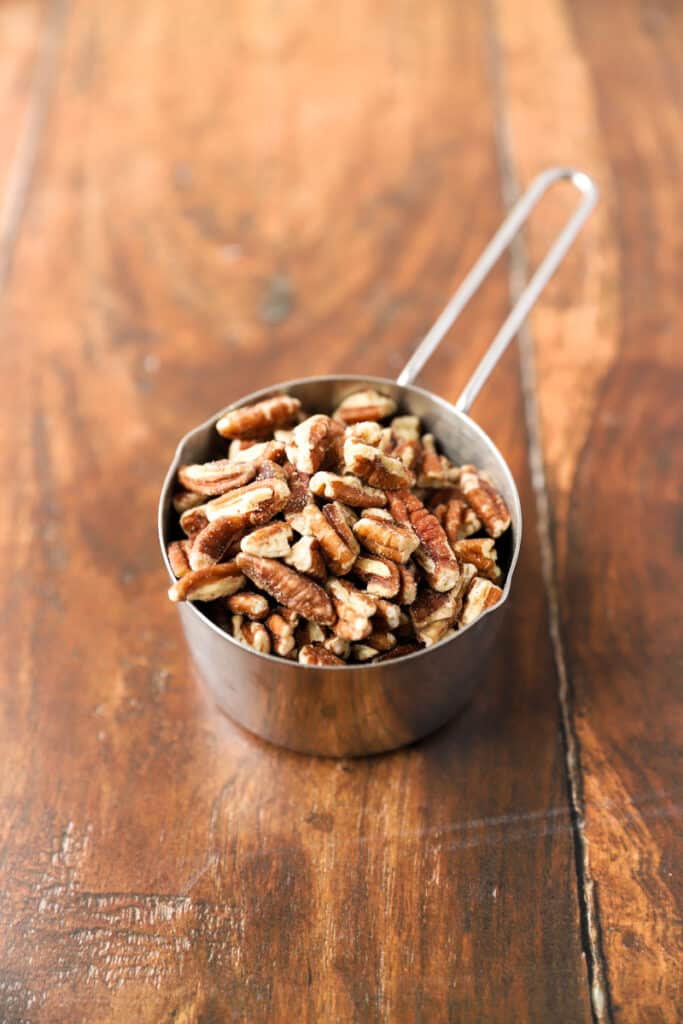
(360, 709)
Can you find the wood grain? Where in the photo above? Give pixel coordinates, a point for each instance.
(221, 199)
(609, 369)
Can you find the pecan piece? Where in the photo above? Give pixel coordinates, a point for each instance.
(353, 608)
(299, 495)
(270, 541)
(372, 465)
(254, 606)
(281, 627)
(408, 589)
(193, 520)
(259, 420)
(288, 587)
(365, 405)
(183, 501)
(486, 501)
(253, 634)
(330, 528)
(433, 607)
(348, 489)
(313, 654)
(380, 575)
(312, 441)
(434, 554)
(435, 632)
(383, 536)
(264, 451)
(363, 652)
(406, 428)
(178, 555)
(480, 552)
(382, 639)
(208, 584)
(235, 448)
(309, 633)
(482, 594)
(337, 645)
(366, 431)
(307, 556)
(388, 613)
(435, 470)
(213, 543)
(252, 505)
(211, 478)
(399, 652)
(458, 519)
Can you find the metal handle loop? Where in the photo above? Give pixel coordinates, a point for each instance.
(499, 243)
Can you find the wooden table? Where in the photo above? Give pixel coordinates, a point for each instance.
(200, 199)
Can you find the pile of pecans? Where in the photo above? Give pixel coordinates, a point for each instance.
(338, 538)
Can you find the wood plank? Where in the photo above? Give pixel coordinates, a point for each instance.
(609, 373)
(222, 201)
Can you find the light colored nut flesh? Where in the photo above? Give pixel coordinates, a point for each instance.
(212, 478)
(270, 541)
(178, 555)
(253, 606)
(306, 556)
(486, 501)
(312, 654)
(255, 421)
(348, 489)
(481, 595)
(208, 584)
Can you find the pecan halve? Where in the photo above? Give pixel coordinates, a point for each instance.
(211, 478)
(259, 420)
(365, 405)
(380, 575)
(300, 494)
(193, 520)
(311, 442)
(331, 531)
(408, 589)
(353, 608)
(383, 536)
(434, 554)
(288, 587)
(253, 606)
(307, 556)
(257, 451)
(314, 654)
(212, 543)
(208, 584)
(481, 594)
(373, 466)
(270, 541)
(252, 505)
(348, 489)
(178, 555)
(435, 470)
(486, 501)
(253, 634)
(480, 552)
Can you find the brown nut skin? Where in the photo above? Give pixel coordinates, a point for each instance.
(252, 422)
(353, 609)
(313, 654)
(256, 451)
(178, 553)
(183, 501)
(481, 553)
(212, 543)
(348, 489)
(485, 500)
(408, 589)
(312, 441)
(432, 606)
(332, 532)
(208, 584)
(288, 587)
(253, 505)
(368, 404)
(399, 652)
(306, 556)
(193, 520)
(213, 478)
(380, 575)
(384, 537)
(253, 606)
(376, 468)
(434, 554)
(481, 595)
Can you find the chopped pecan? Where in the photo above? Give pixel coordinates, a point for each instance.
(373, 466)
(408, 589)
(264, 451)
(331, 530)
(482, 594)
(353, 608)
(480, 552)
(337, 645)
(254, 606)
(365, 405)
(270, 541)
(435, 632)
(363, 652)
(383, 536)
(193, 520)
(213, 543)
(314, 654)
(253, 634)
(288, 587)
(382, 639)
(281, 629)
(183, 501)
(380, 575)
(433, 607)
(434, 554)
(399, 652)
(235, 448)
(299, 493)
(366, 431)
(211, 478)
(307, 556)
(259, 420)
(388, 613)
(435, 470)
(208, 584)
(458, 519)
(486, 501)
(309, 633)
(348, 489)
(406, 428)
(311, 442)
(178, 555)
(252, 505)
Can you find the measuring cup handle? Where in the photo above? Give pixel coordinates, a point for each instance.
(517, 216)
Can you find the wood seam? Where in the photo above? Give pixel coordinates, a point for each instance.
(591, 933)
